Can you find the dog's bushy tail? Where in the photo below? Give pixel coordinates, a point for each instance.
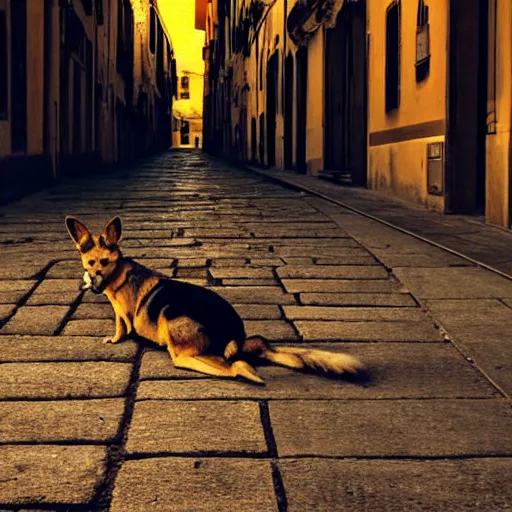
(319, 361)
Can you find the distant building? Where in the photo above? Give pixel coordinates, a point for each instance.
(187, 111)
(83, 83)
(188, 40)
(409, 97)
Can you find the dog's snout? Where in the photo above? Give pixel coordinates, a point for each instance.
(98, 272)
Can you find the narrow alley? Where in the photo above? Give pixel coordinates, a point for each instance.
(91, 426)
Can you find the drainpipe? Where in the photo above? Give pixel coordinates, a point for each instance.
(283, 82)
(257, 88)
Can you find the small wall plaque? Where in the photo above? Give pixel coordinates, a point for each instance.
(435, 168)
(422, 44)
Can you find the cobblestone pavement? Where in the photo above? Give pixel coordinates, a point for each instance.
(86, 426)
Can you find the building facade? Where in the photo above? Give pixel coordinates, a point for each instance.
(83, 83)
(187, 111)
(390, 94)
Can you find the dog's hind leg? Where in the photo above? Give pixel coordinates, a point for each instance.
(188, 346)
(218, 367)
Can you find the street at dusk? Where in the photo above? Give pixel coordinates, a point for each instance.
(256, 255)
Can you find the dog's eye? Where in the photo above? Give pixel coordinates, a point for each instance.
(104, 262)
(91, 263)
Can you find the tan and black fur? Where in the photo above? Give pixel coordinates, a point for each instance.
(200, 329)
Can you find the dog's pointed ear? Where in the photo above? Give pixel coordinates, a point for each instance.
(77, 231)
(112, 231)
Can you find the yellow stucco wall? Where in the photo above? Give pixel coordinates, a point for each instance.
(499, 144)
(400, 167)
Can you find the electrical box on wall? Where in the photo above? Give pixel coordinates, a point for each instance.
(435, 168)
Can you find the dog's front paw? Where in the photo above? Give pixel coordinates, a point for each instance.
(110, 339)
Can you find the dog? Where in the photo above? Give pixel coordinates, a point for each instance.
(200, 329)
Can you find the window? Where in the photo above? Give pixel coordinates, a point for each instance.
(184, 93)
(3, 65)
(393, 56)
(152, 30)
(160, 81)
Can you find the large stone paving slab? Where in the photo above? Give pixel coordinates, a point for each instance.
(398, 370)
(454, 283)
(358, 299)
(341, 285)
(63, 380)
(16, 285)
(59, 285)
(69, 420)
(392, 259)
(64, 298)
(367, 331)
(323, 485)
(5, 311)
(63, 348)
(242, 272)
(46, 474)
(249, 282)
(194, 484)
(99, 327)
(93, 312)
(332, 272)
(35, 320)
(494, 359)
(397, 428)
(12, 297)
(353, 314)
(481, 328)
(347, 259)
(20, 271)
(195, 427)
(254, 295)
(474, 320)
(273, 330)
(258, 312)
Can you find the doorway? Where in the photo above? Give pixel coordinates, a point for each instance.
(302, 99)
(271, 109)
(467, 108)
(185, 133)
(261, 145)
(345, 135)
(288, 111)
